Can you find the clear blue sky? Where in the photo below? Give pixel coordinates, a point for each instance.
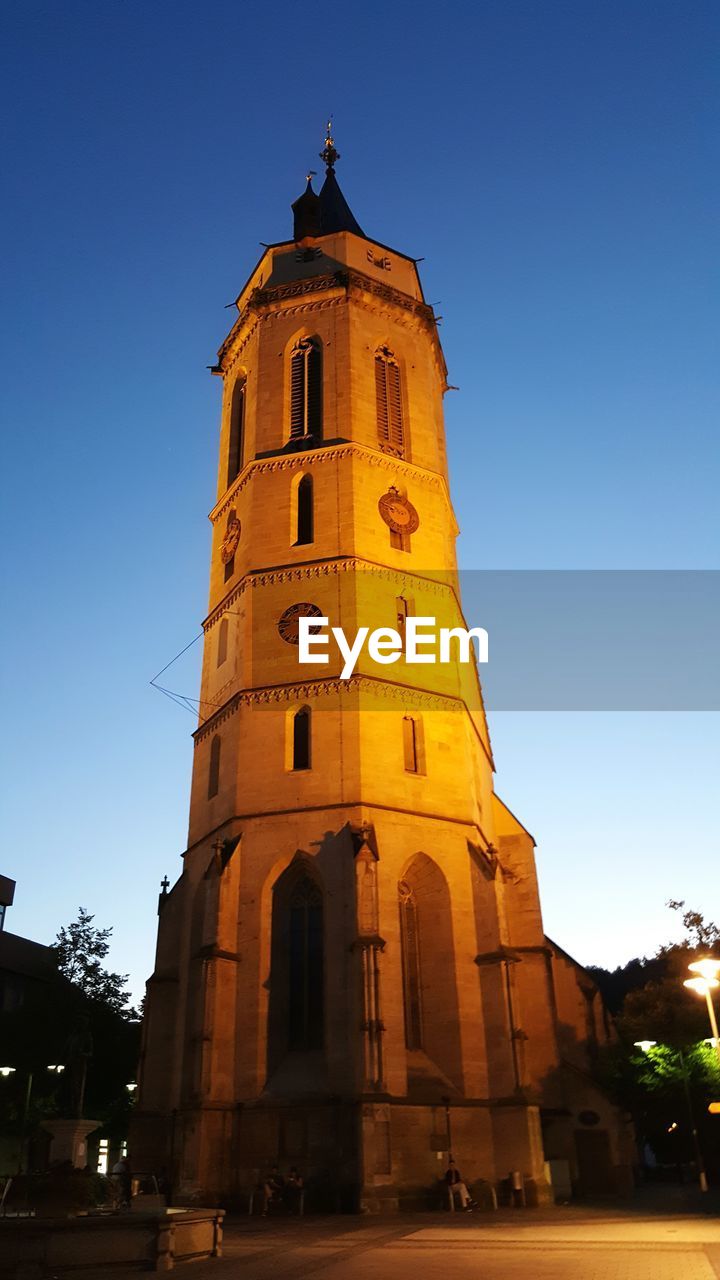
(555, 163)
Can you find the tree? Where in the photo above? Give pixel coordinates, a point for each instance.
(650, 1003)
(661, 972)
(80, 950)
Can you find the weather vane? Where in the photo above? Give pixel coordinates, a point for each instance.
(328, 153)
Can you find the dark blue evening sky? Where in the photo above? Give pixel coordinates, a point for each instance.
(555, 164)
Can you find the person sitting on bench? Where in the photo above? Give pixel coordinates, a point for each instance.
(457, 1187)
(274, 1189)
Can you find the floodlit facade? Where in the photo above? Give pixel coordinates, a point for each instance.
(351, 973)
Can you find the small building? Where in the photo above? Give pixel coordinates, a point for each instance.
(23, 964)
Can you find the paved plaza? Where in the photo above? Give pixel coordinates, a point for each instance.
(663, 1237)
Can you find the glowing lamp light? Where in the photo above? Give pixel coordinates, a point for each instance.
(57, 1068)
(673, 1126)
(645, 1045)
(131, 1087)
(703, 986)
(707, 968)
(6, 1071)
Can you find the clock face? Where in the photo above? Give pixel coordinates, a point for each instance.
(289, 626)
(399, 514)
(229, 543)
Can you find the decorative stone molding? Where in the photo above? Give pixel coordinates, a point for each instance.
(350, 283)
(375, 457)
(325, 569)
(280, 694)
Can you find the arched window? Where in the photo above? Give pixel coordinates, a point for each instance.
(306, 1002)
(214, 769)
(429, 981)
(410, 943)
(304, 512)
(237, 430)
(301, 739)
(388, 400)
(413, 744)
(297, 980)
(306, 390)
(222, 642)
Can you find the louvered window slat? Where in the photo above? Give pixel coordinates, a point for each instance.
(396, 422)
(388, 400)
(314, 392)
(306, 390)
(381, 398)
(297, 395)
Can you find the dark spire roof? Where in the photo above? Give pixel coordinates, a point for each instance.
(306, 213)
(322, 215)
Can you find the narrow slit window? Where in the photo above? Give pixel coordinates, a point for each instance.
(237, 431)
(301, 739)
(388, 400)
(305, 512)
(413, 744)
(306, 390)
(404, 609)
(222, 642)
(214, 769)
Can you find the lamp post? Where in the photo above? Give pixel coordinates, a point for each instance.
(704, 984)
(56, 1069)
(646, 1046)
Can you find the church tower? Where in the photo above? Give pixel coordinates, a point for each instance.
(351, 973)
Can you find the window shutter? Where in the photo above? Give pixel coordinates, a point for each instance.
(381, 398)
(306, 390)
(396, 423)
(388, 400)
(314, 392)
(297, 394)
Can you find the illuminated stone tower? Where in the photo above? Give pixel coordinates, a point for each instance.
(351, 971)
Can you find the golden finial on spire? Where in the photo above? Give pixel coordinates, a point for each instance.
(329, 153)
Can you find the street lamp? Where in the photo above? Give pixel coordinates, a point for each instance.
(646, 1045)
(703, 985)
(6, 1071)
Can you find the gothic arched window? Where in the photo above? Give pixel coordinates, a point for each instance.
(301, 739)
(214, 769)
(237, 430)
(388, 399)
(305, 513)
(410, 943)
(305, 955)
(306, 389)
(222, 642)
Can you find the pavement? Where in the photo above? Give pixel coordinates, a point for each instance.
(668, 1234)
